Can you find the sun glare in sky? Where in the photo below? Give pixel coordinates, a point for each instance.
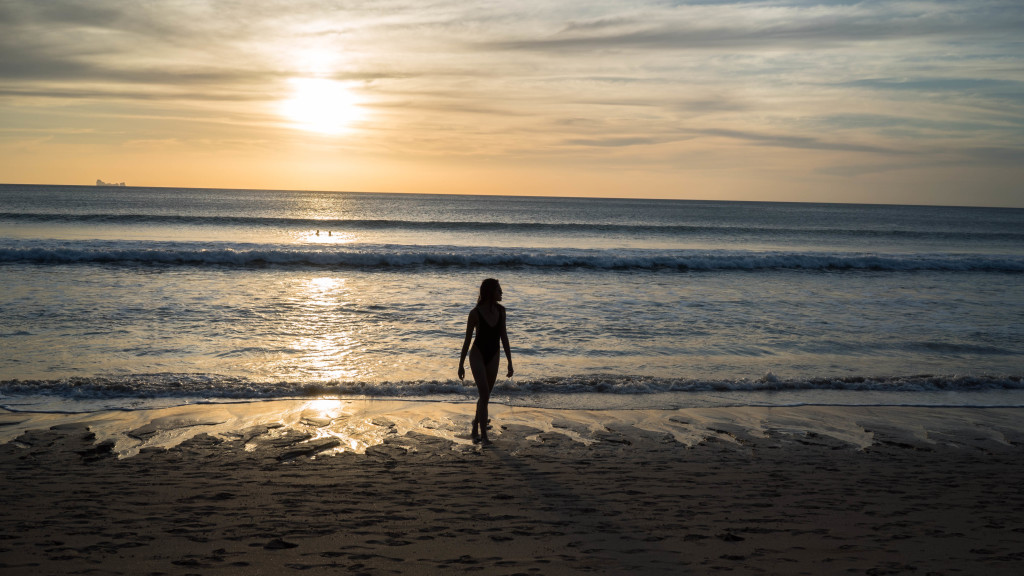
(320, 105)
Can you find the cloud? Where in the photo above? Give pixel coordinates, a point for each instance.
(857, 170)
(137, 95)
(798, 142)
(757, 26)
(915, 126)
(972, 157)
(619, 142)
(1012, 156)
(980, 86)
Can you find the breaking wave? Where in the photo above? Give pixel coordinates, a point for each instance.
(364, 224)
(401, 256)
(172, 385)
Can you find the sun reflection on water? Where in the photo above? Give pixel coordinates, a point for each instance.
(322, 337)
(326, 407)
(327, 418)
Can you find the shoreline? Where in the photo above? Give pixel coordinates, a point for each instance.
(264, 489)
(357, 424)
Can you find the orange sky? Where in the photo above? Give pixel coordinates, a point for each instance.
(903, 102)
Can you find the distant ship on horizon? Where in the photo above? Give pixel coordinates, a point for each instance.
(102, 183)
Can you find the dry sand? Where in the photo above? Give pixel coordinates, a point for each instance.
(363, 487)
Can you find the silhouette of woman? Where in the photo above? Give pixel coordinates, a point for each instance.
(488, 319)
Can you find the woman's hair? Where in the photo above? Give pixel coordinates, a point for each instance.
(488, 291)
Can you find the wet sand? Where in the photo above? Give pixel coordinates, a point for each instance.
(395, 487)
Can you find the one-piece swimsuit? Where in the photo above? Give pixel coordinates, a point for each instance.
(488, 337)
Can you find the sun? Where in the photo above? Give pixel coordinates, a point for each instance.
(320, 105)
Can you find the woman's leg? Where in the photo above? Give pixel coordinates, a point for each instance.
(492, 377)
(492, 373)
(476, 365)
(485, 376)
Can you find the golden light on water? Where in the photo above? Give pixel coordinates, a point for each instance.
(318, 287)
(325, 357)
(325, 345)
(328, 418)
(320, 105)
(326, 407)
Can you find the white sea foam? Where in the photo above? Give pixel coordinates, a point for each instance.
(148, 391)
(169, 385)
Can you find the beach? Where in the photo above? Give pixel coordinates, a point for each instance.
(396, 487)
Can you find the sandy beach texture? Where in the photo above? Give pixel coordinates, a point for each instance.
(390, 487)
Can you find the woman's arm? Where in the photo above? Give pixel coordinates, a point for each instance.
(470, 325)
(508, 349)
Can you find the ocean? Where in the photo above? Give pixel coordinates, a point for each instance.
(139, 297)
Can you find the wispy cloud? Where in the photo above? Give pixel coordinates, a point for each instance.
(622, 141)
(786, 25)
(799, 142)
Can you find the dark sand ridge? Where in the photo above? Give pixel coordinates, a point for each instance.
(744, 491)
